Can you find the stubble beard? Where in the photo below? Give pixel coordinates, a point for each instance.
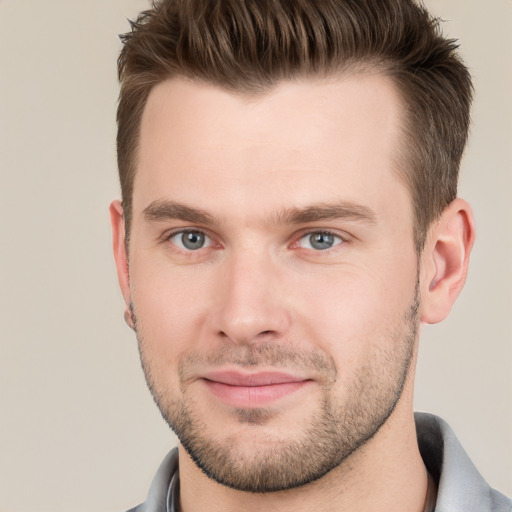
(341, 426)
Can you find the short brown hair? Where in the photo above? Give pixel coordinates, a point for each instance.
(250, 45)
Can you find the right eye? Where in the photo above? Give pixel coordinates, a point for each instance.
(190, 240)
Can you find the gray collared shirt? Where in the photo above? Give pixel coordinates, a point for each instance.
(460, 488)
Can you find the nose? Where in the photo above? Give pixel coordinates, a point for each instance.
(251, 303)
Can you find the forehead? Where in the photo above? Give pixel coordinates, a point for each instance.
(307, 139)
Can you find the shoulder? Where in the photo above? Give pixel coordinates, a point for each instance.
(461, 488)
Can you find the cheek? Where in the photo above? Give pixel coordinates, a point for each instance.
(170, 310)
(354, 311)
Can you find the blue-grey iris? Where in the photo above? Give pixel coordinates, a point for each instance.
(193, 240)
(321, 241)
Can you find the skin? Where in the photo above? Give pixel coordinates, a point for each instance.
(255, 175)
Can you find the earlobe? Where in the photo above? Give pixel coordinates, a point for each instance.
(445, 260)
(121, 256)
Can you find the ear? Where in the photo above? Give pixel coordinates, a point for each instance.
(121, 256)
(445, 260)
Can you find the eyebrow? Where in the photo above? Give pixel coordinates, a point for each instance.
(326, 211)
(161, 210)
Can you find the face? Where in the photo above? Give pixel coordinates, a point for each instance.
(272, 273)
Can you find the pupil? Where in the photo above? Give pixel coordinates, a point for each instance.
(321, 241)
(193, 240)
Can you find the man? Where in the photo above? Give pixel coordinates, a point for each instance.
(289, 219)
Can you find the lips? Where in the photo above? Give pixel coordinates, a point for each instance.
(250, 390)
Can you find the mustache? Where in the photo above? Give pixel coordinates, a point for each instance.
(273, 355)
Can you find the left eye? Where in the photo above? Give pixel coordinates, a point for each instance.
(319, 241)
(191, 240)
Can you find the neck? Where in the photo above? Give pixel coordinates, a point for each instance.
(386, 474)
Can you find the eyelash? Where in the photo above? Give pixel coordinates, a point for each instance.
(339, 240)
(182, 232)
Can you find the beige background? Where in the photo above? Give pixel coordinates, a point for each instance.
(78, 429)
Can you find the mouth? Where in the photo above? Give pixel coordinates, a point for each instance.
(251, 390)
